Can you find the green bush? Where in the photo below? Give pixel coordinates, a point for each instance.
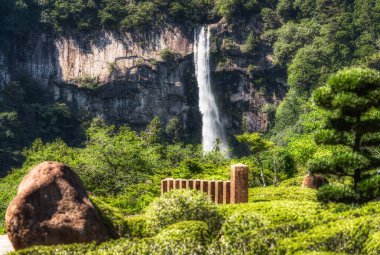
(136, 197)
(185, 237)
(241, 234)
(346, 235)
(256, 228)
(295, 181)
(335, 193)
(70, 249)
(369, 189)
(288, 226)
(119, 223)
(183, 230)
(281, 193)
(250, 44)
(180, 205)
(372, 246)
(167, 55)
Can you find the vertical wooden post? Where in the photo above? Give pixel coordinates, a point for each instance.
(190, 184)
(176, 184)
(204, 186)
(164, 186)
(197, 184)
(170, 184)
(226, 192)
(211, 190)
(239, 184)
(218, 192)
(183, 184)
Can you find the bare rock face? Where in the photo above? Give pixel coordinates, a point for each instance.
(52, 207)
(314, 181)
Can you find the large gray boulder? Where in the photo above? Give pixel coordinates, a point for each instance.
(52, 207)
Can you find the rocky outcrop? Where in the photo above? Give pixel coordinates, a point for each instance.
(119, 77)
(101, 57)
(248, 84)
(52, 207)
(4, 74)
(123, 78)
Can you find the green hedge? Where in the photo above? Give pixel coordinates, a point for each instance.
(372, 246)
(283, 226)
(347, 235)
(119, 223)
(182, 205)
(282, 193)
(338, 194)
(369, 189)
(71, 249)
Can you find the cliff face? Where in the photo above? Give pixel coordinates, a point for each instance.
(4, 73)
(124, 78)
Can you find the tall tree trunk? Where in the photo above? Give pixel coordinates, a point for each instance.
(357, 144)
(261, 171)
(275, 179)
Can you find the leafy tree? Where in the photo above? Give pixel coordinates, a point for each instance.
(152, 133)
(257, 145)
(282, 162)
(293, 36)
(173, 129)
(27, 114)
(250, 44)
(114, 158)
(352, 96)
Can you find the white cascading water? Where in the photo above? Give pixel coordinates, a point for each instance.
(212, 127)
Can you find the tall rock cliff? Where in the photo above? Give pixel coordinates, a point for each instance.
(132, 77)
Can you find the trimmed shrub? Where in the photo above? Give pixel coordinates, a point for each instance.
(180, 205)
(295, 181)
(68, 249)
(241, 234)
(120, 224)
(186, 237)
(347, 235)
(372, 246)
(369, 189)
(185, 230)
(319, 253)
(335, 193)
(281, 193)
(256, 228)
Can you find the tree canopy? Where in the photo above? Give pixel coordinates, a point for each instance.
(352, 96)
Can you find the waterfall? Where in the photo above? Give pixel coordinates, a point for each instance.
(212, 127)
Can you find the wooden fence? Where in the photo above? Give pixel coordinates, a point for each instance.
(221, 192)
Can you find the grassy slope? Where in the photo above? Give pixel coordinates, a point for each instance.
(277, 220)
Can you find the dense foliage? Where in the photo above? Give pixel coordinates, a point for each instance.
(352, 98)
(181, 205)
(311, 40)
(283, 224)
(27, 113)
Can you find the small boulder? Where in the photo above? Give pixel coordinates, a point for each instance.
(52, 207)
(314, 181)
